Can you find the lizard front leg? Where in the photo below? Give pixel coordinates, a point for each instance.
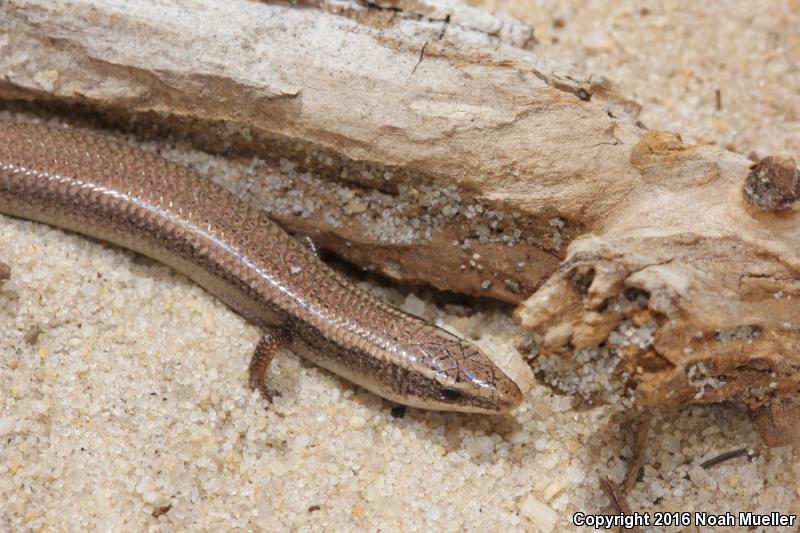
(273, 340)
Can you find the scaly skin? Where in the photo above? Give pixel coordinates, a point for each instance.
(113, 192)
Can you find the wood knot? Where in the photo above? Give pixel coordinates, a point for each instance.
(773, 183)
(5, 272)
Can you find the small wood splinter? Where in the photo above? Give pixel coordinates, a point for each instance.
(273, 340)
(721, 458)
(617, 493)
(617, 497)
(637, 461)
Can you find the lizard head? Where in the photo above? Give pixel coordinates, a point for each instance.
(426, 367)
(457, 376)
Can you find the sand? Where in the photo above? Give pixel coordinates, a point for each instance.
(125, 406)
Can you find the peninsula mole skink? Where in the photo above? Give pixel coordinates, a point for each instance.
(113, 192)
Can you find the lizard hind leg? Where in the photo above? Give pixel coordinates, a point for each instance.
(273, 340)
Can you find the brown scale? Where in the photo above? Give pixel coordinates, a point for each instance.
(140, 201)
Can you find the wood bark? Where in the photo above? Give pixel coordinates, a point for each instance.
(440, 143)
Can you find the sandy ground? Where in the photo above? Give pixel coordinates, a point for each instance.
(127, 411)
(673, 56)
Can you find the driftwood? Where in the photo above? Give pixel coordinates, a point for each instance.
(445, 146)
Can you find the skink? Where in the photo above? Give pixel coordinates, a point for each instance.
(113, 192)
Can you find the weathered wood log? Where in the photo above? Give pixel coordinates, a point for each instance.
(688, 292)
(446, 146)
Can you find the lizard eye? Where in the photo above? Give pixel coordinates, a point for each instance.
(450, 395)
